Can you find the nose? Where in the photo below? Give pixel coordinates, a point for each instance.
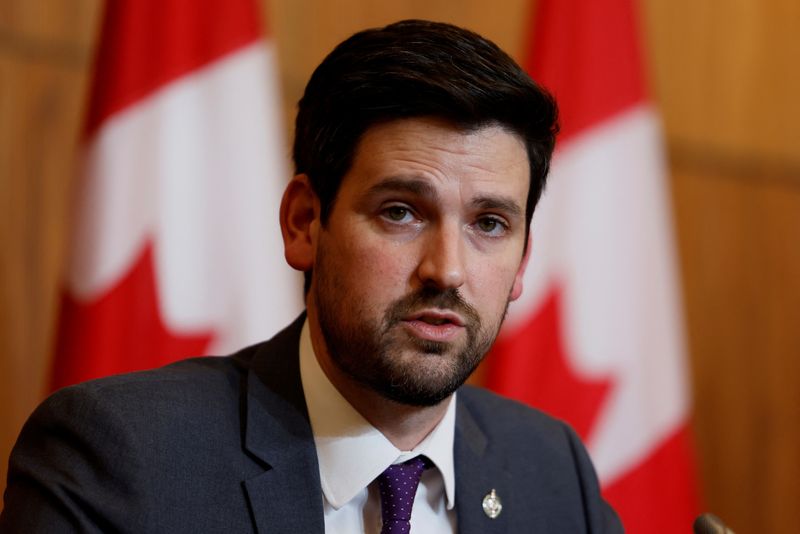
(442, 261)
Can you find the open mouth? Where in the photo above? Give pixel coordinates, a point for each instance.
(434, 320)
(437, 318)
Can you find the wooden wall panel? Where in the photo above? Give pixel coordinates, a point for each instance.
(35, 154)
(740, 263)
(306, 30)
(725, 74)
(44, 49)
(55, 27)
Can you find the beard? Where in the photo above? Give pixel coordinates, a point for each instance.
(378, 353)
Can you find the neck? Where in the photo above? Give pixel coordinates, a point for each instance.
(403, 425)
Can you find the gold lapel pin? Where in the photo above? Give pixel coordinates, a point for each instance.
(492, 505)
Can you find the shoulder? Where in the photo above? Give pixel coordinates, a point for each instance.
(189, 401)
(188, 385)
(185, 386)
(518, 432)
(146, 416)
(112, 447)
(504, 418)
(147, 451)
(539, 450)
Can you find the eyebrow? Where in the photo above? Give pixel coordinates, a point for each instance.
(420, 187)
(404, 184)
(500, 203)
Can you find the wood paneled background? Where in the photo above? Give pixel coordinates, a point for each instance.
(726, 76)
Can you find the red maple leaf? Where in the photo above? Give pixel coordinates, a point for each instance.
(531, 366)
(120, 331)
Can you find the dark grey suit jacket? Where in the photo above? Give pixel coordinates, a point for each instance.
(224, 445)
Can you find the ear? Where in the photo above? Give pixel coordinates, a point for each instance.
(516, 289)
(299, 218)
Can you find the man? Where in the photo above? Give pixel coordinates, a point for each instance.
(421, 150)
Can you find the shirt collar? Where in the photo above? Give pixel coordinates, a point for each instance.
(351, 452)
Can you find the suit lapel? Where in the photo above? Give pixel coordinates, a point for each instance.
(478, 472)
(287, 497)
(277, 433)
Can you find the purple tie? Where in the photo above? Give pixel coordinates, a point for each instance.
(398, 485)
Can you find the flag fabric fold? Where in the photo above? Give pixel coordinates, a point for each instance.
(597, 337)
(175, 246)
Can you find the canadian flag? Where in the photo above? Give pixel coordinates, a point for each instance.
(175, 247)
(597, 337)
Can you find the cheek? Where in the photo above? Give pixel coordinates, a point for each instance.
(374, 269)
(492, 286)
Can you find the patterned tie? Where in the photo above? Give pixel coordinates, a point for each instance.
(398, 485)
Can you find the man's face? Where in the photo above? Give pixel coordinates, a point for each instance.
(420, 257)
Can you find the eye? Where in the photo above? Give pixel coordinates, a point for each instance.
(397, 214)
(487, 225)
(492, 226)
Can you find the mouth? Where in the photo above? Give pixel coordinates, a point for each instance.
(437, 317)
(435, 325)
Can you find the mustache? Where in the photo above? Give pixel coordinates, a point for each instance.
(431, 297)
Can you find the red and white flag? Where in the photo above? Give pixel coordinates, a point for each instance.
(597, 337)
(175, 247)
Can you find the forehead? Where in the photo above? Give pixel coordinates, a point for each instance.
(486, 160)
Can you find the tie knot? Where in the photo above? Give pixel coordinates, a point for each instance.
(398, 487)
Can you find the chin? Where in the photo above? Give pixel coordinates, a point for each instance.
(425, 377)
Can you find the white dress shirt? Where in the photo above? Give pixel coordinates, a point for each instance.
(352, 453)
